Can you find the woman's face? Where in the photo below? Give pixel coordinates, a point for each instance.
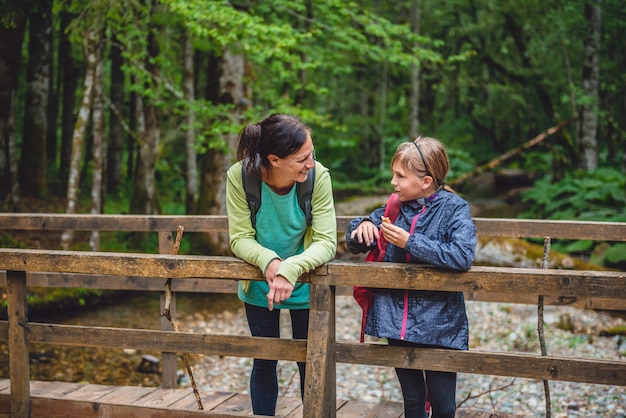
(296, 166)
(407, 185)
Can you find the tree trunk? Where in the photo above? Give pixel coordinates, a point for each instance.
(10, 59)
(116, 130)
(191, 201)
(591, 76)
(144, 198)
(69, 73)
(414, 100)
(98, 145)
(79, 134)
(215, 162)
(382, 117)
(232, 90)
(33, 161)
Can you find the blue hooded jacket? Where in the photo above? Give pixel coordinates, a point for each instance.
(445, 237)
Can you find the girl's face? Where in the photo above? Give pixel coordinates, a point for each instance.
(407, 185)
(296, 166)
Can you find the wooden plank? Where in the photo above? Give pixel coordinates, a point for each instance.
(606, 284)
(162, 398)
(321, 362)
(209, 400)
(128, 395)
(89, 392)
(287, 405)
(43, 389)
(574, 301)
(223, 345)
(354, 409)
(583, 283)
(52, 408)
(89, 222)
(539, 228)
(168, 359)
(496, 227)
(239, 404)
(581, 370)
(196, 285)
(386, 409)
(19, 366)
(159, 266)
(99, 281)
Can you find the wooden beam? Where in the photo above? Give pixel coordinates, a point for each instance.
(574, 283)
(494, 227)
(320, 382)
(143, 339)
(89, 222)
(19, 366)
(581, 283)
(532, 366)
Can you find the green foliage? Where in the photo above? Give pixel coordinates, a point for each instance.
(587, 196)
(594, 196)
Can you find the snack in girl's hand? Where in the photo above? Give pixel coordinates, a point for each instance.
(385, 219)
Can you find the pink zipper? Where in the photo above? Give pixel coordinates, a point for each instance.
(405, 313)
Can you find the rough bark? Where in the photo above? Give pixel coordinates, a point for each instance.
(215, 161)
(69, 73)
(10, 61)
(98, 146)
(115, 146)
(144, 197)
(33, 160)
(591, 76)
(232, 89)
(191, 201)
(79, 134)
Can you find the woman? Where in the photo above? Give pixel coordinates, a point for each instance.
(279, 150)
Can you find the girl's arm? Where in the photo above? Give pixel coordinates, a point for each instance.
(456, 246)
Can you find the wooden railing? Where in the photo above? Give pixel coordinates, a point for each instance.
(321, 351)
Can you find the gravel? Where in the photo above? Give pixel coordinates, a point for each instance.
(493, 327)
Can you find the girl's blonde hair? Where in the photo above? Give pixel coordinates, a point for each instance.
(425, 156)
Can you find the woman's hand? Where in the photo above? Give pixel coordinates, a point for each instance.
(365, 232)
(394, 234)
(280, 287)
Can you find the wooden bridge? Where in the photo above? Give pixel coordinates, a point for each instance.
(21, 397)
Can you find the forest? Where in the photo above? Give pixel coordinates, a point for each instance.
(134, 106)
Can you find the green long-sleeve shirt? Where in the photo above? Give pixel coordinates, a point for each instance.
(317, 245)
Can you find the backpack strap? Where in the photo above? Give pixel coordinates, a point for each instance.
(392, 210)
(305, 195)
(252, 187)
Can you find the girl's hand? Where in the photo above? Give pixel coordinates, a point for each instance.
(365, 232)
(394, 234)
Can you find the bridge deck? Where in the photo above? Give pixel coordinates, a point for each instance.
(56, 399)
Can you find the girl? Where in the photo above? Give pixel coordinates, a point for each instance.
(433, 227)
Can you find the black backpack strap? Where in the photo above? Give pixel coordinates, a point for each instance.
(305, 195)
(252, 186)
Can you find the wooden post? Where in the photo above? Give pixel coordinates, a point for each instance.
(320, 388)
(19, 368)
(168, 360)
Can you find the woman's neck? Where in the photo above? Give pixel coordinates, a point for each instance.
(275, 182)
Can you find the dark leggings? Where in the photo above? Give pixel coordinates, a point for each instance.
(264, 379)
(441, 389)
